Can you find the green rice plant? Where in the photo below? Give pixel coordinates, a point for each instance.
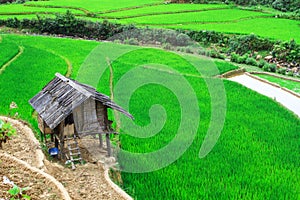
(251, 61)
(21, 9)
(254, 158)
(292, 85)
(93, 5)
(226, 15)
(264, 27)
(164, 8)
(230, 171)
(7, 51)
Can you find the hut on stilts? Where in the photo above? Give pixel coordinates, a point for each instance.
(64, 102)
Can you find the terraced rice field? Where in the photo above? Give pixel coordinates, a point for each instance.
(164, 9)
(155, 13)
(254, 158)
(10, 51)
(265, 27)
(291, 85)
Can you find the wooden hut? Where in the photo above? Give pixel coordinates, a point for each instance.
(64, 102)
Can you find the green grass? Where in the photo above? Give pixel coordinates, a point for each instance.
(291, 85)
(165, 8)
(203, 16)
(254, 158)
(265, 27)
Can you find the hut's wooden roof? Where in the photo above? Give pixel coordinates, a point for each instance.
(61, 95)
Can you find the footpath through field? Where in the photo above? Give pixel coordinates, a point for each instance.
(288, 100)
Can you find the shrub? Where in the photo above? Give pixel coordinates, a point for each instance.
(67, 24)
(261, 63)
(189, 50)
(182, 39)
(167, 46)
(242, 59)
(287, 51)
(290, 73)
(207, 37)
(282, 70)
(266, 67)
(201, 52)
(132, 41)
(284, 5)
(213, 54)
(251, 61)
(269, 67)
(169, 36)
(245, 43)
(234, 57)
(272, 68)
(6, 132)
(117, 41)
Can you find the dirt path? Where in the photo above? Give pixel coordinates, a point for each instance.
(288, 100)
(21, 50)
(88, 181)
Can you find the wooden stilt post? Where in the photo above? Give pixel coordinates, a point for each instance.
(108, 145)
(55, 142)
(100, 140)
(45, 138)
(61, 139)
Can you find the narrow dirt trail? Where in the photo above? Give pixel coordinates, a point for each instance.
(21, 50)
(286, 99)
(88, 181)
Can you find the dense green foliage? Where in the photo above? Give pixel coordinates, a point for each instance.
(66, 24)
(282, 5)
(244, 44)
(287, 51)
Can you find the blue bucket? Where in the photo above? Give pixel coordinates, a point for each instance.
(53, 151)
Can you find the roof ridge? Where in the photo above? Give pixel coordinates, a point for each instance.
(75, 85)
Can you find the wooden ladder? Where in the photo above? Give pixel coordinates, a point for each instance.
(74, 151)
